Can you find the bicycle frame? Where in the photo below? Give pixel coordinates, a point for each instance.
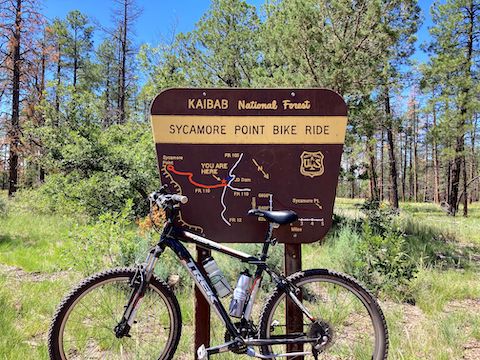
(172, 237)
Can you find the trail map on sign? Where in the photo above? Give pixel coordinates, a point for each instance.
(225, 186)
(223, 166)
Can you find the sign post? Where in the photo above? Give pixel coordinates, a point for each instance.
(293, 263)
(231, 150)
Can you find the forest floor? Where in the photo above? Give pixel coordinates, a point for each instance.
(444, 323)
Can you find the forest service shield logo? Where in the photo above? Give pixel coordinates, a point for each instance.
(311, 163)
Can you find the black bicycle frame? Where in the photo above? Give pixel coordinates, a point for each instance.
(172, 238)
(173, 241)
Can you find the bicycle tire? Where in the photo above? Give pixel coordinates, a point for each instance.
(335, 314)
(69, 316)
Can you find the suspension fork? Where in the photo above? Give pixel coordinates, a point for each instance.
(139, 285)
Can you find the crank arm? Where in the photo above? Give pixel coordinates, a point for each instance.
(220, 348)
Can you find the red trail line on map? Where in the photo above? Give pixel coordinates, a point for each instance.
(193, 182)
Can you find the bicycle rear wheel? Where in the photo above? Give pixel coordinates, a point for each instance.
(83, 326)
(347, 316)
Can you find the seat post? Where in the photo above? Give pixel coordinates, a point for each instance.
(266, 244)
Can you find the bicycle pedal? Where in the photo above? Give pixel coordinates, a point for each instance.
(202, 353)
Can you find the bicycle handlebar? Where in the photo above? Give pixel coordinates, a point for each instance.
(164, 200)
(180, 198)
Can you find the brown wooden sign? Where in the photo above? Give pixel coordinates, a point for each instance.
(231, 150)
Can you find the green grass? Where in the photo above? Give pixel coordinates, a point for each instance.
(26, 309)
(464, 230)
(34, 242)
(445, 318)
(436, 288)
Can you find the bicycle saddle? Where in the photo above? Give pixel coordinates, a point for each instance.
(279, 217)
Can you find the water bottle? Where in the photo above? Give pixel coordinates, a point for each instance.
(217, 278)
(240, 295)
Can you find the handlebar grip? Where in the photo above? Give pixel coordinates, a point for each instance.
(180, 198)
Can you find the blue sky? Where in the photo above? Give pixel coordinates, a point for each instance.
(156, 21)
(159, 17)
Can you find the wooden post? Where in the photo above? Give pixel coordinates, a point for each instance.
(202, 310)
(293, 263)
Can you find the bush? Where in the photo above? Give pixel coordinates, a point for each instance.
(110, 241)
(95, 170)
(342, 249)
(45, 200)
(375, 251)
(380, 218)
(383, 262)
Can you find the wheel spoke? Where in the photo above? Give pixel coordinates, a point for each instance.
(95, 309)
(346, 315)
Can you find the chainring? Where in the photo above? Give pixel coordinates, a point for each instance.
(246, 330)
(323, 331)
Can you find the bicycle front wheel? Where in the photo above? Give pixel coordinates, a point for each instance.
(348, 318)
(83, 326)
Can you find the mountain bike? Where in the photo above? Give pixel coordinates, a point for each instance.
(129, 313)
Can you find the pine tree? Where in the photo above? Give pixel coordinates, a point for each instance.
(126, 12)
(78, 43)
(454, 62)
(57, 37)
(222, 50)
(19, 21)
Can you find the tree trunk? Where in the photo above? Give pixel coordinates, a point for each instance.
(352, 183)
(415, 154)
(473, 164)
(448, 185)
(382, 176)
(373, 174)
(410, 168)
(460, 141)
(404, 172)
(75, 59)
(465, 193)
(436, 167)
(59, 81)
(41, 175)
(425, 188)
(106, 120)
(391, 151)
(456, 168)
(124, 63)
(14, 135)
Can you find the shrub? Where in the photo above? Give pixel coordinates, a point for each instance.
(47, 199)
(375, 251)
(96, 170)
(342, 249)
(110, 241)
(380, 217)
(383, 262)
